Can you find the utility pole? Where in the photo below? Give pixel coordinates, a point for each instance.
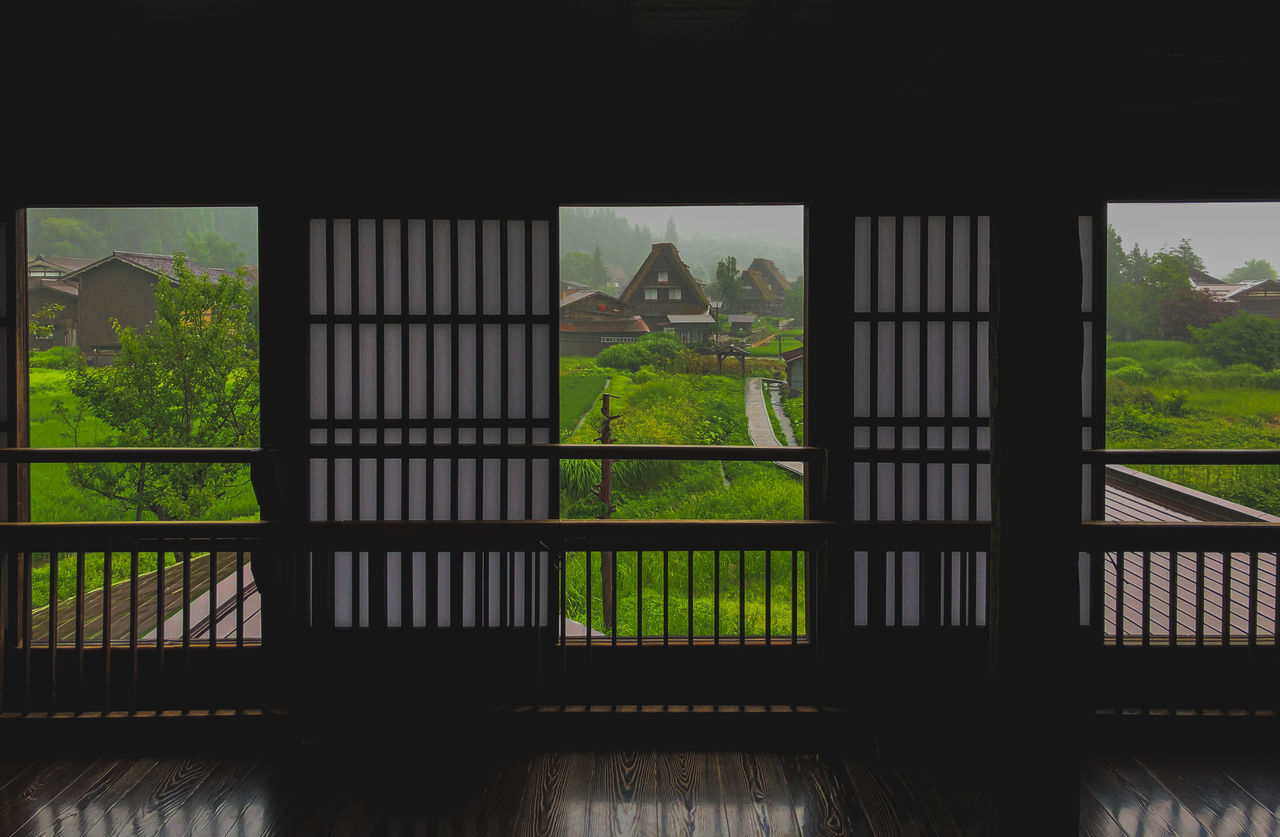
(608, 607)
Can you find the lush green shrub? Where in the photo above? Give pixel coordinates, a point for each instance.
(1122, 393)
(1133, 374)
(1114, 363)
(57, 357)
(1244, 338)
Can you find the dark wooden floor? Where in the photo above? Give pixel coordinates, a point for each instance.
(305, 790)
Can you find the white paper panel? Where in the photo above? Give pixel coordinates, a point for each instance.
(887, 364)
(886, 265)
(861, 264)
(417, 267)
(368, 371)
(984, 263)
(341, 267)
(316, 267)
(1085, 231)
(442, 295)
(911, 267)
(515, 267)
(960, 277)
(367, 265)
(491, 277)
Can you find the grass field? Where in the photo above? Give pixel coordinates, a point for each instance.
(577, 394)
(1162, 394)
(790, 340)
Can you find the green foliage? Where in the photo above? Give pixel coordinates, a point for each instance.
(212, 250)
(580, 266)
(1132, 374)
(578, 394)
(56, 357)
(90, 232)
(190, 380)
(40, 323)
(794, 408)
(1244, 338)
(728, 283)
(795, 300)
(660, 350)
(1254, 270)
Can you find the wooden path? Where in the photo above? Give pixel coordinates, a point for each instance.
(759, 427)
(149, 585)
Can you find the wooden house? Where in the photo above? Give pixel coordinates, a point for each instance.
(740, 325)
(42, 292)
(757, 296)
(592, 320)
(794, 359)
(1261, 298)
(773, 277)
(691, 328)
(119, 287)
(663, 285)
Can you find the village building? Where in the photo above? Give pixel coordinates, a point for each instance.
(1261, 298)
(120, 287)
(740, 324)
(772, 276)
(756, 296)
(692, 328)
(569, 286)
(45, 292)
(591, 321)
(664, 286)
(794, 358)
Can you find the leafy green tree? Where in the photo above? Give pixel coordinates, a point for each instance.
(40, 323)
(1244, 338)
(794, 301)
(189, 380)
(1115, 256)
(1254, 270)
(671, 234)
(212, 250)
(576, 266)
(1168, 271)
(67, 237)
(727, 281)
(1186, 253)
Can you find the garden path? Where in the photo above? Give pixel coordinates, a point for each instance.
(758, 426)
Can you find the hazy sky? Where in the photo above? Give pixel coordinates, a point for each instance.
(780, 222)
(1224, 235)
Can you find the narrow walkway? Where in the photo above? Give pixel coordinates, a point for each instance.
(758, 426)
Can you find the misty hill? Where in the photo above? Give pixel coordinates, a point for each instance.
(223, 237)
(627, 245)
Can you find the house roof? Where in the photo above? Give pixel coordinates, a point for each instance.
(578, 296)
(681, 270)
(793, 354)
(1199, 278)
(65, 263)
(691, 318)
(742, 318)
(55, 285)
(756, 278)
(1267, 287)
(151, 262)
(634, 324)
(769, 270)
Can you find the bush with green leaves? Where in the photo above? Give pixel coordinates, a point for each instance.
(1132, 374)
(660, 350)
(56, 357)
(1244, 338)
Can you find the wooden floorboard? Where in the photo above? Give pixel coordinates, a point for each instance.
(309, 790)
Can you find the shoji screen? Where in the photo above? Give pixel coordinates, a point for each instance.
(921, 418)
(427, 336)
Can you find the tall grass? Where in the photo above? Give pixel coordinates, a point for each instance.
(578, 393)
(664, 588)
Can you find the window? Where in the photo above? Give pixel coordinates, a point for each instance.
(86, 377)
(650, 293)
(662, 277)
(673, 293)
(1180, 341)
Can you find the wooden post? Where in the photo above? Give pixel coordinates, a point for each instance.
(607, 605)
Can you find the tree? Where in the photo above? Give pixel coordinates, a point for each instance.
(212, 250)
(40, 323)
(580, 266)
(66, 237)
(189, 380)
(1186, 254)
(1254, 270)
(795, 299)
(1115, 256)
(671, 230)
(727, 281)
(1168, 271)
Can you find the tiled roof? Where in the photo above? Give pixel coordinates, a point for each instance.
(742, 318)
(691, 318)
(150, 262)
(614, 325)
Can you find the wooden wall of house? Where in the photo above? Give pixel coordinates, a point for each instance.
(114, 290)
(64, 327)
